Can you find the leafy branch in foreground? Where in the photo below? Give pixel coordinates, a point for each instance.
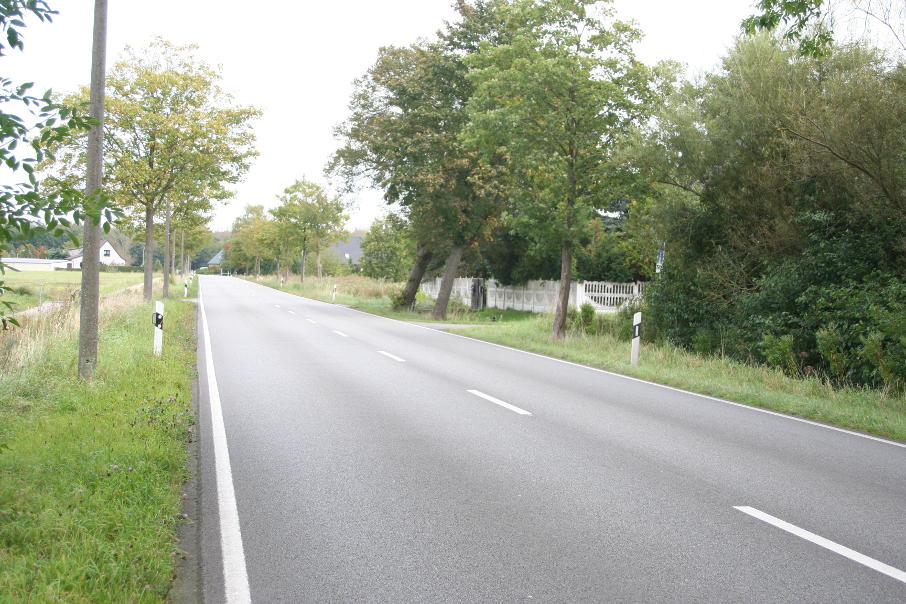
(30, 126)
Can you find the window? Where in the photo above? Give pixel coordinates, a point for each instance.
(106, 253)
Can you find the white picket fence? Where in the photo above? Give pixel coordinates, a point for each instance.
(541, 296)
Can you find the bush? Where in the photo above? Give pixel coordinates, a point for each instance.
(778, 352)
(706, 341)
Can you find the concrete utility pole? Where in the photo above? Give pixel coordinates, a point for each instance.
(88, 317)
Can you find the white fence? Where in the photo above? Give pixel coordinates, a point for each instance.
(541, 296)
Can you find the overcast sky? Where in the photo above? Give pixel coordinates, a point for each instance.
(296, 60)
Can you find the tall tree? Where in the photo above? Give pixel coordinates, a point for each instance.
(174, 136)
(404, 136)
(555, 101)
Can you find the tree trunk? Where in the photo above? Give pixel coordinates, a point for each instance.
(446, 284)
(90, 288)
(302, 267)
(149, 252)
(167, 257)
(278, 268)
(318, 258)
(559, 329)
(422, 258)
(182, 253)
(257, 268)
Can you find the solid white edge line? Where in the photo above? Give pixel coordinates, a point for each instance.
(391, 356)
(614, 374)
(235, 576)
(497, 401)
(340, 333)
(842, 550)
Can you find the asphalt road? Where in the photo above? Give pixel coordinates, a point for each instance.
(373, 460)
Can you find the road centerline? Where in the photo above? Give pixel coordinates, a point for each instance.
(497, 401)
(292, 312)
(340, 333)
(842, 550)
(391, 356)
(312, 321)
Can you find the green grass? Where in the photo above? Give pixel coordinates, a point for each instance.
(90, 473)
(27, 288)
(872, 411)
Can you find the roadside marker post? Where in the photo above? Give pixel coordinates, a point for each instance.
(636, 338)
(185, 287)
(334, 296)
(157, 319)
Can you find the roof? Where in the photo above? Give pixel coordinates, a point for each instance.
(31, 261)
(353, 247)
(217, 259)
(76, 252)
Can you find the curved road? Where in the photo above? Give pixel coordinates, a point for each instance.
(374, 460)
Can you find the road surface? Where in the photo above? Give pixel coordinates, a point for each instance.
(374, 460)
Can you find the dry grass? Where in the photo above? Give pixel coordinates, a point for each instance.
(349, 287)
(21, 346)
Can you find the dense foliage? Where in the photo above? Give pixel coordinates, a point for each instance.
(789, 248)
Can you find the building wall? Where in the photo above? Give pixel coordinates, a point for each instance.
(31, 266)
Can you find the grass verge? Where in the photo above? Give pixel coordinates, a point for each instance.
(90, 473)
(873, 411)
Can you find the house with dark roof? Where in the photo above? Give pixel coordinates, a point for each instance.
(349, 251)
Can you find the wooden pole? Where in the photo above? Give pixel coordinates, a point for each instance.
(88, 312)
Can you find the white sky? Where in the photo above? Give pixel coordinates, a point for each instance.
(296, 60)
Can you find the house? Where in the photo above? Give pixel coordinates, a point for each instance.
(215, 262)
(349, 251)
(108, 256)
(32, 264)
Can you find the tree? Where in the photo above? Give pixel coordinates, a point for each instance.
(404, 136)
(30, 126)
(176, 140)
(810, 22)
(555, 102)
(250, 239)
(387, 249)
(307, 218)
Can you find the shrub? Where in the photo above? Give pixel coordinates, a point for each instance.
(778, 352)
(830, 347)
(706, 340)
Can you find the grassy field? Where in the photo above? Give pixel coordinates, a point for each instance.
(873, 411)
(27, 289)
(91, 473)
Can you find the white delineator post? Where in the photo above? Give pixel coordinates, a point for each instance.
(334, 296)
(185, 288)
(636, 338)
(158, 319)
